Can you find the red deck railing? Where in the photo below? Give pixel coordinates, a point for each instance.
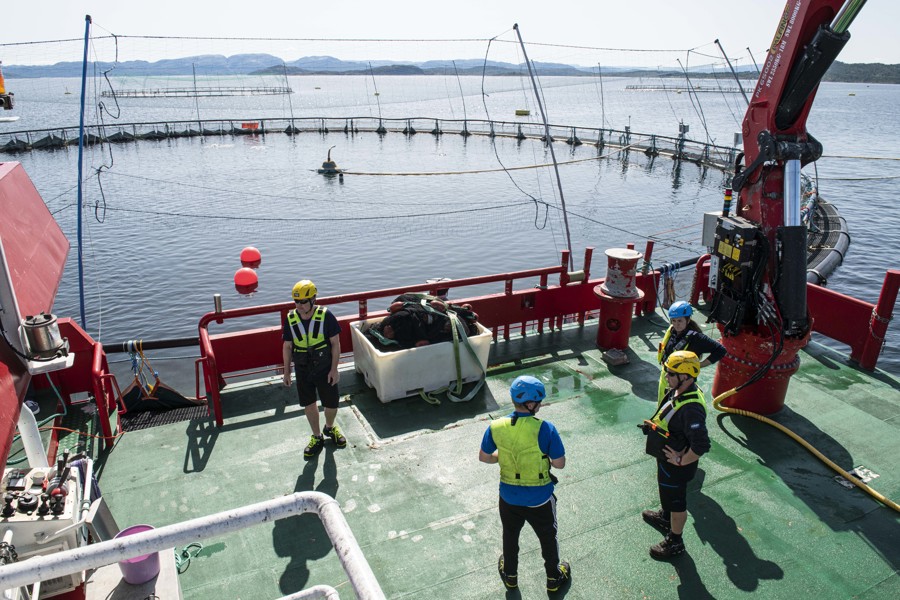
(259, 350)
(513, 311)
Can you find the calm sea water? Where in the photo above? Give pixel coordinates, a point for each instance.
(165, 220)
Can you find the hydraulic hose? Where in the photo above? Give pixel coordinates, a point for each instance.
(746, 413)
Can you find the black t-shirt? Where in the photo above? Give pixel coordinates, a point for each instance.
(696, 342)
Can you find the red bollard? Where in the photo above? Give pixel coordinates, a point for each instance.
(614, 327)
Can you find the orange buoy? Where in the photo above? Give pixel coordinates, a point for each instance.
(245, 280)
(250, 257)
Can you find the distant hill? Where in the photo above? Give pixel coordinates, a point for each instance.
(863, 73)
(267, 64)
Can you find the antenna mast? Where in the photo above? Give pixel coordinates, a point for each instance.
(537, 95)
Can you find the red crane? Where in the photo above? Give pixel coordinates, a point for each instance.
(759, 258)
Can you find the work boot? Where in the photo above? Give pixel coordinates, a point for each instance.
(510, 581)
(671, 546)
(335, 434)
(656, 518)
(315, 445)
(565, 575)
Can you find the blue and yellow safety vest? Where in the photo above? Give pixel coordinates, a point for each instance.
(658, 430)
(683, 344)
(667, 409)
(304, 340)
(520, 457)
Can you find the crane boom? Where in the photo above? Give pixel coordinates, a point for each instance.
(759, 258)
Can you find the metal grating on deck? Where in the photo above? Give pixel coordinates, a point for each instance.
(147, 419)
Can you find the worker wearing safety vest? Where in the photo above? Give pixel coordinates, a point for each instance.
(685, 334)
(526, 447)
(677, 438)
(312, 340)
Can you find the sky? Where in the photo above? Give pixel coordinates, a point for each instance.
(629, 24)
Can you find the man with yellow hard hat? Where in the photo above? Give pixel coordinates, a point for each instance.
(677, 438)
(312, 340)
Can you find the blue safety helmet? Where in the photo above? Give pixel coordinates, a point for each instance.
(680, 309)
(527, 389)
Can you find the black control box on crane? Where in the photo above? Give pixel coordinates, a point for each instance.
(736, 266)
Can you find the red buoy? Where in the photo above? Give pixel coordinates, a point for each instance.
(250, 257)
(245, 280)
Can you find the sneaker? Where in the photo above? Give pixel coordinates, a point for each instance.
(335, 434)
(565, 574)
(510, 581)
(669, 547)
(314, 446)
(655, 518)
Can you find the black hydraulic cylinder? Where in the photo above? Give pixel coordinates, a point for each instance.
(791, 287)
(807, 74)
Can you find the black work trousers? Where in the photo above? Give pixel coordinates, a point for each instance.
(543, 521)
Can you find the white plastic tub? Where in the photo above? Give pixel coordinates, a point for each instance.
(404, 373)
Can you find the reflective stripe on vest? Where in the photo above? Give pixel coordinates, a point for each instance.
(668, 408)
(520, 457)
(682, 344)
(315, 337)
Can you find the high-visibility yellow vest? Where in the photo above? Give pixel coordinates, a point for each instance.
(304, 340)
(520, 457)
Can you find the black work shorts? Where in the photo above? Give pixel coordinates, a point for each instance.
(310, 383)
(673, 482)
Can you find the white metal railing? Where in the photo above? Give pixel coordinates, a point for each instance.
(365, 585)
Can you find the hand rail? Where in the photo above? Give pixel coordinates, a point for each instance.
(60, 564)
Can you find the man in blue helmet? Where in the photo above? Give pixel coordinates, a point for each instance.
(685, 334)
(526, 447)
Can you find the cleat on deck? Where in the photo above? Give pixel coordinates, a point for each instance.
(564, 576)
(336, 436)
(656, 519)
(314, 446)
(667, 548)
(510, 581)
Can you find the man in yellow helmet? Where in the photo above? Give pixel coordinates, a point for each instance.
(677, 437)
(312, 339)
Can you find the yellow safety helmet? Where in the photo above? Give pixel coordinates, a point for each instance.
(304, 290)
(684, 361)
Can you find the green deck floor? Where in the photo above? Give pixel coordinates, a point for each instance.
(769, 519)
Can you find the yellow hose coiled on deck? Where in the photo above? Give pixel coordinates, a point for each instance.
(746, 413)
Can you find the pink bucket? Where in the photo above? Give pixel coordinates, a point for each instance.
(139, 569)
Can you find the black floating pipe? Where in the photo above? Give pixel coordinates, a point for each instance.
(153, 344)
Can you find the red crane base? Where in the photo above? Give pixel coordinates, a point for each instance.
(747, 353)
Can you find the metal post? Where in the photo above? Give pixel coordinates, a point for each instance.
(792, 192)
(537, 95)
(87, 33)
(740, 86)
